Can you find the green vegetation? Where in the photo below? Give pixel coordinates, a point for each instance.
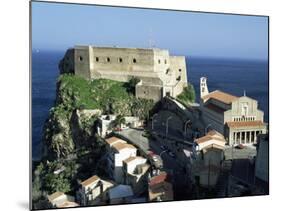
(188, 95)
(67, 129)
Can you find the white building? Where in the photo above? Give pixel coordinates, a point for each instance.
(237, 118)
(136, 173)
(61, 200)
(92, 190)
(105, 121)
(119, 150)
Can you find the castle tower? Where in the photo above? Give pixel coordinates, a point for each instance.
(203, 87)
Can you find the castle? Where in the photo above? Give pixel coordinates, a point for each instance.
(160, 74)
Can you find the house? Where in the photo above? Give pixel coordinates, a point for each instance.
(160, 189)
(92, 190)
(208, 155)
(119, 150)
(61, 200)
(121, 194)
(105, 123)
(136, 173)
(237, 118)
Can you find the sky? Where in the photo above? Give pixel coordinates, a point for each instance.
(58, 26)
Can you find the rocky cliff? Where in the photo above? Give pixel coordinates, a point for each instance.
(71, 122)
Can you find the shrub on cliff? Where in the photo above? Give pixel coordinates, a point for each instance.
(188, 95)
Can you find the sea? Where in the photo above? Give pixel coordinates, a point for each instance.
(234, 76)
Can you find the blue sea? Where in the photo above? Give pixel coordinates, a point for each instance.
(232, 76)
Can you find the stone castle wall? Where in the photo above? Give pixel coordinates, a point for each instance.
(159, 72)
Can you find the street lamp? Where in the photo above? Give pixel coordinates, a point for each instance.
(152, 123)
(167, 121)
(185, 125)
(206, 128)
(162, 152)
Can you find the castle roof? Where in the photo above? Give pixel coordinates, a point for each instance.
(220, 96)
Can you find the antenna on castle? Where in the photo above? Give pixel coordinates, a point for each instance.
(244, 92)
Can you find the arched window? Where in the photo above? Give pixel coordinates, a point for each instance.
(97, 59)
(80, 58)
(159, 61)
(179, 70)
(165, 61)
(134, 60)
(120, 60)
(108, 59)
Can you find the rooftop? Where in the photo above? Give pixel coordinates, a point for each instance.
(119, 146)
(55, 195)
(68, 204)
(120, 191)
(211, 135)
(128, 160)
(158, 179)
(113, 140)
(245, 124)
(215, 108)
(90, 181)
(220, 96)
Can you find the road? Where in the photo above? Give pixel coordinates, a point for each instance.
(170, 164)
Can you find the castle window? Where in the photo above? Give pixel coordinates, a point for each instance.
(108, 59)
(97, 59)
(134, 60)
(120, 60)
(165, 61)
(159, 61)
(80, 58)
(179, 70)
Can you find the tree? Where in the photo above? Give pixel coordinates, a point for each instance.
(120, 119)
(188, 95)
(132, 84)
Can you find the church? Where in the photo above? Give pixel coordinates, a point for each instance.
(237, 118)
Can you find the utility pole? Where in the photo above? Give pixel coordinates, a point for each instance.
(152, 122)
(167, 121)
(185, 125)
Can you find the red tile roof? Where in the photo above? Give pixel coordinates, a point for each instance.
(158, 179)
(220, 96)
(245, 124)
(209, 136)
